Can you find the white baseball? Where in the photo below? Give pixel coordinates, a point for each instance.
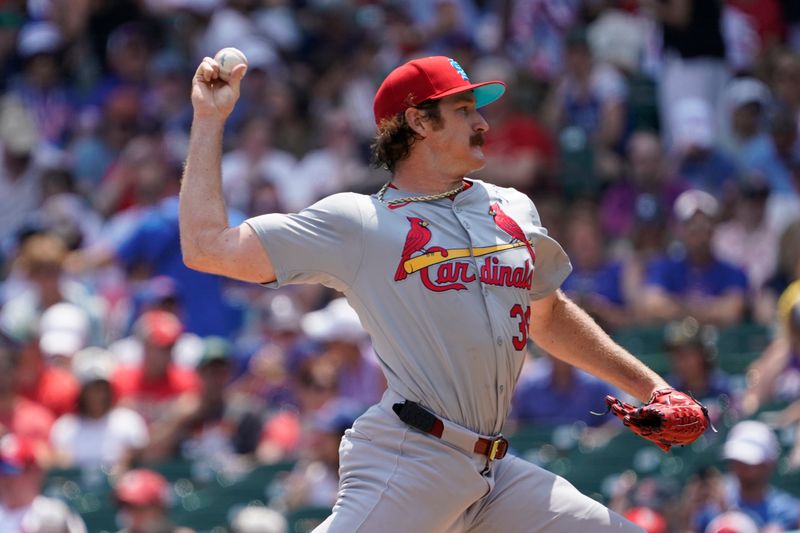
(227, 59)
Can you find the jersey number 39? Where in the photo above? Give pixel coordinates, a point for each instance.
(524, 317)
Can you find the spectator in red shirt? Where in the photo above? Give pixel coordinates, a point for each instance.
(152, 386)
(143, 498)
(214, 427)
(52, 387)
(520, 151)
(19, 415)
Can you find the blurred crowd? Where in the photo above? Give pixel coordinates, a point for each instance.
(658, 139)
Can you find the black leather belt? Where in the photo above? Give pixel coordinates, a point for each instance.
(420, 418)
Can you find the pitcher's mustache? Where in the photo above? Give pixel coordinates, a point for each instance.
(476, 139)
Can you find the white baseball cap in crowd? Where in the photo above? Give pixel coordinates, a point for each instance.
(93, 364)
(751, 442)
(40, 37)
(63, 330)
(48, 515)
(732, 522)
(693, 201)
(743, 91)
(259, 519)
(335, 322)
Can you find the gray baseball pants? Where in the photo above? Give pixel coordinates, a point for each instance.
(396, 479)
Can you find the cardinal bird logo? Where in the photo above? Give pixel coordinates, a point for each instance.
(507, 224)
(418, 237)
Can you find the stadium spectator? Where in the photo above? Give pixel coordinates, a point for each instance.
(255, 160)
(19, 415)
(41, 283)
(589, 103)
(314, 386)
(551, 392)
(596, 283)
(690, 279)
(38, 377)
(152, 247)
(22, 506)
(338, 328)
(142, 497)
(698, 160)
(267, 376)
(150, 387)
(751, 451)
(20, 176)
(336, 166)
(538, 29)
(99, 138)
(694, 55)
(775, 375)
(786, 271)
(165, 100)
(98, 435)
(747, 240)
(140, 178)
(128, 53)
(649, 501)
(785, 82)
(692, 353)
(645, 186)
(776, 157)
(314, 481)
(42, 88)
(745, 104)
(520, 151)
(211, 427)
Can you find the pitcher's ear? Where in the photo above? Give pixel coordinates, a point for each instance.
(417, 121)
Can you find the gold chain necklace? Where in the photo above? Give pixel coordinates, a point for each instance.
(426, 198)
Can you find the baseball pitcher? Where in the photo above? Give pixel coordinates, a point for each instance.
(450, 276)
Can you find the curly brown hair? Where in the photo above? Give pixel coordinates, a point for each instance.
(395, 137)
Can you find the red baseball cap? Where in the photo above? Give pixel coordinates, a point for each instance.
(651, 521)
(429, 78)
(161, 328)
(142, 487)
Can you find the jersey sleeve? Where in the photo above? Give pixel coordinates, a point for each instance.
(320, 244)
(552, 264)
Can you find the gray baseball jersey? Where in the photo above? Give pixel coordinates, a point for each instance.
(443, 287)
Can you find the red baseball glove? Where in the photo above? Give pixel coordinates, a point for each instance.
(670, 418)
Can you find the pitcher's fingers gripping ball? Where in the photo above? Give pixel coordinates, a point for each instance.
(670, 418)
(227, 59)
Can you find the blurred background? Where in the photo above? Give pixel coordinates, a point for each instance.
(658, 139)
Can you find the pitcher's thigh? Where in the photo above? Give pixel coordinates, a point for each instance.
(410, 485)
(530, 499)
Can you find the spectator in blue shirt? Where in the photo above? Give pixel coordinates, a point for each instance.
(596, 283)
(155, 245)
(700, 162)
(775, 155)
(553, 393)
(752, 451)
(690, 279)
(692, 354)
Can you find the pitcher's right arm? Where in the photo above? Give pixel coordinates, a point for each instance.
(208, 243)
